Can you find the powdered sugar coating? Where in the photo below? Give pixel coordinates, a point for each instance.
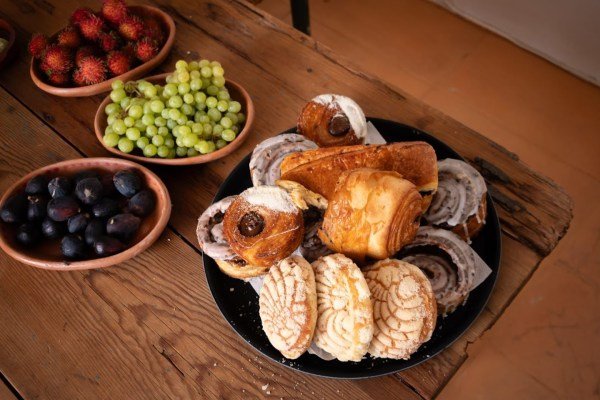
(350, 108)
(271, 197)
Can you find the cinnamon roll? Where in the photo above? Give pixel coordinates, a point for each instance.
(213, 243)
(404, 308)
(288, 306)
(345, 322)
(371, 214)
(267, 156)
(333, 120)
(448, 262)
(460, 201)
(263, 225)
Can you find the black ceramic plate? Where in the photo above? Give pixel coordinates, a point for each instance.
(239, 303)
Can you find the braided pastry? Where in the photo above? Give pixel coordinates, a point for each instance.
(404, 308)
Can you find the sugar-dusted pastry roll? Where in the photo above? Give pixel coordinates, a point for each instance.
(263, 225)
(333, 120)
(371, 214)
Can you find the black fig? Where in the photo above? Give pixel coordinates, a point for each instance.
(127, 182)
(14, 209)
(36, 207)
(73, 246)
(89, 190)
(106, 246)
(84, 175)
(94, 231)
(105, 208)
(59, 187)
(78, 222)
(142, 203)
(123, 226)
(62, 208)
(37, 185)
(28, 234)
(52, 229)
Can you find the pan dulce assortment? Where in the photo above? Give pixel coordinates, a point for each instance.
(361, 247)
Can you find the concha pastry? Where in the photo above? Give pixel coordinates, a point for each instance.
(267, 156)
(345, 322)
(404, 308)
(288, 306)
(333, 120)
(459, 204)
(448, 262)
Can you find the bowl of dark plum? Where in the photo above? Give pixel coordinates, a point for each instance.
(83, 214)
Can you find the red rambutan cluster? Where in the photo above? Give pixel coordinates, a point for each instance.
(97, 45)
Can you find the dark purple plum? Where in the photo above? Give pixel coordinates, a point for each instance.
(52, 229)
(14, 209)
(89, 190)
(59, 187)
(78, 222)
(107, 246)
(127, 182)
(37, 185)
(94, 231)
(105, 208)
(36, 207)
(28, 234)
(72, 246)
(123, 226)
(62, 208)
(142, 203)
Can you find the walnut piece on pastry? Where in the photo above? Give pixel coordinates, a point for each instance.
(460, 202)
(449, 263)
(404, 308)
(263, 225)
(288, 306)
(371, 214)
(345, 321)
(333, 120)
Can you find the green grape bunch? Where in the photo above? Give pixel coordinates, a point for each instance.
(191, 114)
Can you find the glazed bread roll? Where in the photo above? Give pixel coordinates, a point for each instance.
(319, 170)
(404, 308)
(371, 214)
(460, 202)
(288, 306)
(263, 225)
(333, 120)
(345, 322)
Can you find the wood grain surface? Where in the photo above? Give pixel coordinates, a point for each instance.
(149, 327)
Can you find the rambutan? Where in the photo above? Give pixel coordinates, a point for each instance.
(59, 79)
(91, 70)
(80, 14)
(91, 27)
(114, 11)
(57, 59)
(146, 49)
(84, 52)
(118, 62)
(69, 37)
(109, 41)
(37, 45)
(154, 29)
(131, 27)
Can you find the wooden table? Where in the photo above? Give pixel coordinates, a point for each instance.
(149, 328)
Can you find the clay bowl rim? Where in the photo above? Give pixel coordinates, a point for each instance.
(101, 87)
(8, 28)
(163, 204)
(247, 106)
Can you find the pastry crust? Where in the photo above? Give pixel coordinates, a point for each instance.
(404, 308)
(288, 306)
(345, 322)
(239, 269)
(371, 214)
(333, 120)
(318, 170)
(277, 223)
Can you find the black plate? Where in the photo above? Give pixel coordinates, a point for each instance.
(239, 303)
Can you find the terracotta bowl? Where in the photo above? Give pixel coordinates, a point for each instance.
(6, 32)
(237, 93)
(47, 254)
(140, 70)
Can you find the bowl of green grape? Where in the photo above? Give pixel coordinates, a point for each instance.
(190, 116)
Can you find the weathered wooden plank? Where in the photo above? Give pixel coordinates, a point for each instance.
(6, 392)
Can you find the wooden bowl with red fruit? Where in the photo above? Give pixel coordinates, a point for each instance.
(92, 73)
